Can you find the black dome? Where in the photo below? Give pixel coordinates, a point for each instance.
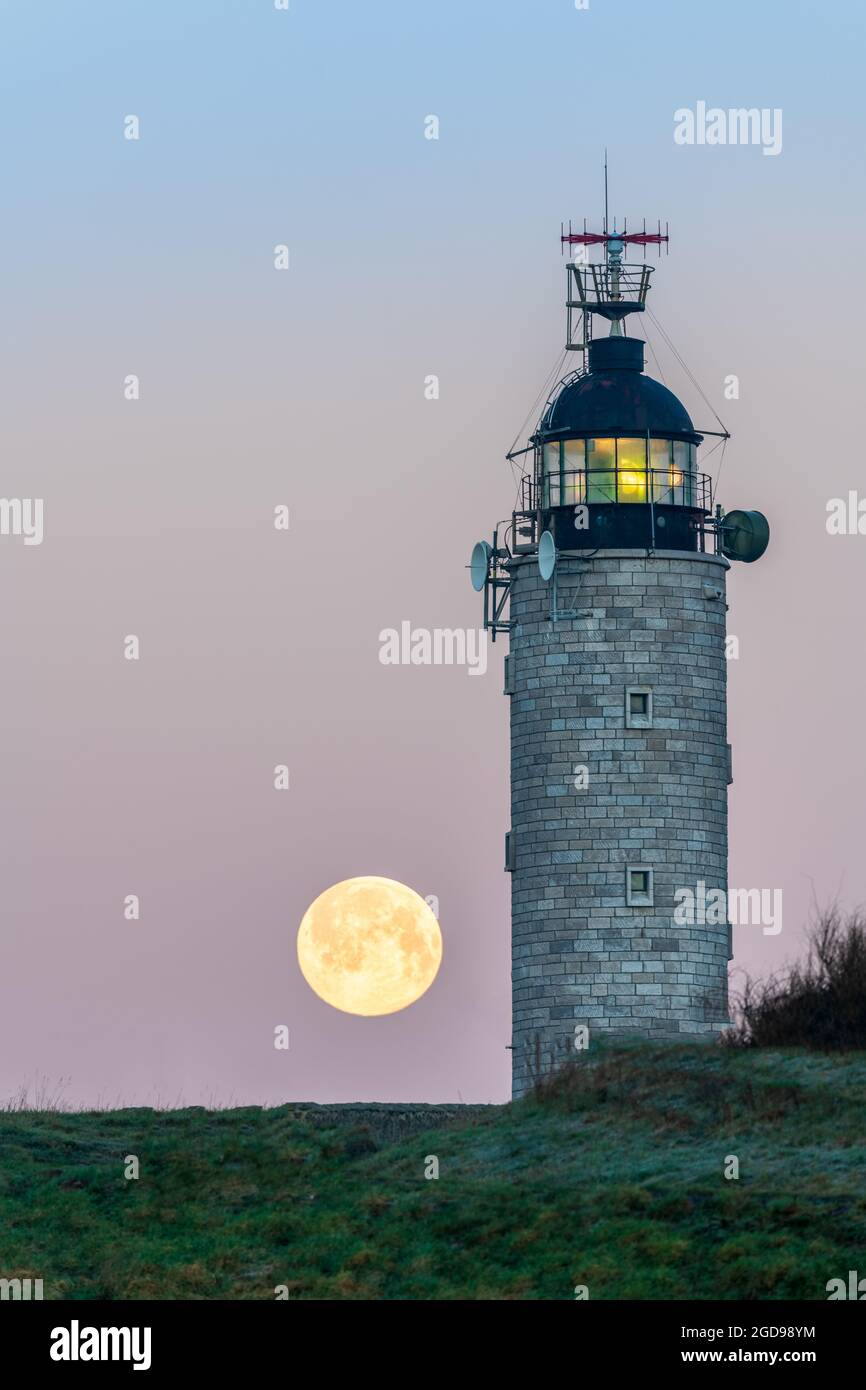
(615, 397)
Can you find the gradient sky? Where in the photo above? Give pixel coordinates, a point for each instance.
(409, 257)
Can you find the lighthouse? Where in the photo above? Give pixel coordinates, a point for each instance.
(609, 581)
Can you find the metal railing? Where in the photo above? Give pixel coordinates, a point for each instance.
(575, 487)
(611, 283)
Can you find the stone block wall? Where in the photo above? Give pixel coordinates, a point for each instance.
(655, 797)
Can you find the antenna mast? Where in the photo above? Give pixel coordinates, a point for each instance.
(607, 288)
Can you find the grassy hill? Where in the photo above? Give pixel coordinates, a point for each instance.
(615, 1180)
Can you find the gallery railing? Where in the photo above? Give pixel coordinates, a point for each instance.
(575, 487)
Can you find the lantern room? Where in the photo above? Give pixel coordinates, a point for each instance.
(622, 449)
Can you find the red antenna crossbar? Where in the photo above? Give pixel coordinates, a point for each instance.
(644, 238)
(596, 238)
(585, 238)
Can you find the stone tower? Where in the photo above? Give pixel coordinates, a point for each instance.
(614, 569)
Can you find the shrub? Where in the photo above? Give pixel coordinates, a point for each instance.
(821, 1002)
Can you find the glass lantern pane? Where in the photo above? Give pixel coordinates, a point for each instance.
(690, 482)
(601, 487)
(601, 453)
(631, 453)
(574, 454)
(631, 470)
(660, 453)
(551, 459)
(573, 464)
(552, 474)
(679, 469)
(632, 486)
(574, 489)
(660, 463)
(682, 457)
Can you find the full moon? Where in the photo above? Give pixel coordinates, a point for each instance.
(369, 946)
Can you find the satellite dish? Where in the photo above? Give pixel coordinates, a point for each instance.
(479, 565)
(546, 555)
(745, 535)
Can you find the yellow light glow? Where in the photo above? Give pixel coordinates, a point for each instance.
(632, 487)
(369, 946)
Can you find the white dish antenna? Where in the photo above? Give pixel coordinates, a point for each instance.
(546, 556)
(480, 564)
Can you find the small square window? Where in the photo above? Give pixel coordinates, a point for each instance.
(638, 707)
(639, 886)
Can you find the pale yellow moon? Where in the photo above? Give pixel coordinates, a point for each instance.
(369, 946)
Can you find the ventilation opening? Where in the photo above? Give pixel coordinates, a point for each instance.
(638, 707)
(639, 886)
(508, 679)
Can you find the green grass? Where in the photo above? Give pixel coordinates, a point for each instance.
(615, 1180)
